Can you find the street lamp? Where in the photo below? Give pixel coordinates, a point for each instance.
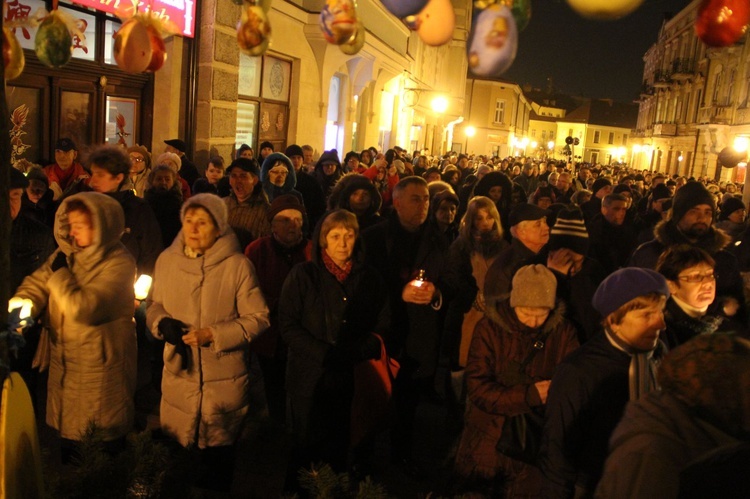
(439, 104)
(470, 132)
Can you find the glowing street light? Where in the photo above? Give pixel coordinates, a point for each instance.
(439, 104)
(741, 144)
(470, 131)
(551, 145)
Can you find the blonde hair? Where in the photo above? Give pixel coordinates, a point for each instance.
(466, 229)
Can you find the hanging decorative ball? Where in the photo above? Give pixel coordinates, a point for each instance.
(158, 49)
(338, 21)
(53, 43)
(729, 157)
(521, 10)
(13, 57)
(404, 8)
(357, 41)
(493, 42)
(412, 22)
(721, 23)
(133, 50)
(253, 31)
(436, 22)
(604, 10)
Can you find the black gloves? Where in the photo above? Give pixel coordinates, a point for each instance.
(172, 331)
(350, 352)
(60, 261)
(368, 348)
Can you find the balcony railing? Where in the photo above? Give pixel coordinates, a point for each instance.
(715, 114)
(665, 129)
(682, 68)
(661, 78)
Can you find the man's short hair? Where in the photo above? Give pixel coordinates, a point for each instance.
(399, 188)
(611, 198)
(111, 158)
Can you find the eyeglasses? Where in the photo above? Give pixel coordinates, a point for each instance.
(137, 160)
(696, 278)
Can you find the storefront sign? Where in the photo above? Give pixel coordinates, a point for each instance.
(180, 13)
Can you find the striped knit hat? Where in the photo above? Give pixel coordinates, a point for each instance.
(569, 232)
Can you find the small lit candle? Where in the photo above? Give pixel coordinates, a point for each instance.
(142, 287)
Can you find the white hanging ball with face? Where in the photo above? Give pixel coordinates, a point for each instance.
(493, 42)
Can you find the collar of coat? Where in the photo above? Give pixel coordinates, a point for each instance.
(715, 240)
(503, 316)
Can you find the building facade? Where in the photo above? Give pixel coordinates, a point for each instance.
(693, 104)
(302, 90)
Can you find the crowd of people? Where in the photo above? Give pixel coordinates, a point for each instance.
(594, 310)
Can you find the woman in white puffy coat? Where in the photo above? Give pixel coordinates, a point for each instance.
(207, 305)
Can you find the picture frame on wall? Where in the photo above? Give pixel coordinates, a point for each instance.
(121, 121)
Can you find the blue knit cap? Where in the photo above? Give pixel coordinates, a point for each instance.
(627, 284)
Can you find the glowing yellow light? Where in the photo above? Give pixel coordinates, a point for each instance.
(142, 287)
(470, 131)
(741, 144)
(439, 104)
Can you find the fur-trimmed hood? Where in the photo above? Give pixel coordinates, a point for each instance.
(504, 317)
(344, 188)
(667, 233)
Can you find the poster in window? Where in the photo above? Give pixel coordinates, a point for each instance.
(121, 121)
(25, 126)
(75, 118)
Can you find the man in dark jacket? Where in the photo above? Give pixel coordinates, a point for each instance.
(273, 257)
(410, 255)
(31, 243)
(612, 240)
(693, 209)
(528, 226)
(110, 170)
(312, 195)
(591, 387)
(188, 171)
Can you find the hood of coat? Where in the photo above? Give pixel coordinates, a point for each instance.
(291, 178)
(503, 316)
(715, 240)
(491, 179)
(317, 249)
(344, 188)
(107, 222)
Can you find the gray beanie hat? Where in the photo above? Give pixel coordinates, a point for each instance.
(533, 286)
(213, 204)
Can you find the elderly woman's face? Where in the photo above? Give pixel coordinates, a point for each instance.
(340, 244)
(198, 230)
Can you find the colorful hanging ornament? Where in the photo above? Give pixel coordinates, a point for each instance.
(604, 10)
(436, 22)
(355, 44)
(493, 42)
(253, 31)
(521, 10)
(13, 57)
(338, 21)
(404, 8)
(53, 43)
(133, 50)
(158, 48)
(721, 23)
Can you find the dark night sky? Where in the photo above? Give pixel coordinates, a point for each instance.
(584, 57)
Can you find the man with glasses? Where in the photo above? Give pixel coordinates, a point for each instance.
(692, 283)
(691, 223)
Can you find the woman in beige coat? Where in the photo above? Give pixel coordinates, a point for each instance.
(87, 288)
(207, 306)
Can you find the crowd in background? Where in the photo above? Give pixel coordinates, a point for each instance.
(506, 289)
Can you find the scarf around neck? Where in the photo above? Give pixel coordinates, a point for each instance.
(643, 366)
(339, 273)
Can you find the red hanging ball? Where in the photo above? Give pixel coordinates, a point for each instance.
(720, 23)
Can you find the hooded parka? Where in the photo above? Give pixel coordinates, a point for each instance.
(206, 403)
(92, 371)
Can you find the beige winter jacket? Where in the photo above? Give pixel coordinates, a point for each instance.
(206, 403)
(92, 370)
